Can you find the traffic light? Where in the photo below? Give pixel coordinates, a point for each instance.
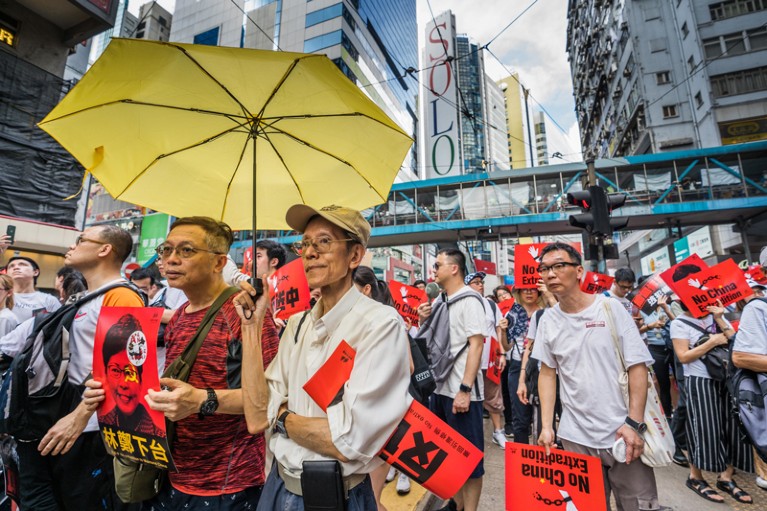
(597, 205)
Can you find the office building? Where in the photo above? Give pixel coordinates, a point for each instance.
(373, 42)
(521, 145)
(154, 22)
(655, 75)
(125, 26)
(541, 144)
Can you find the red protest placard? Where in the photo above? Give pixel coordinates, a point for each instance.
(646, 297)
(526, 264)
(724, 281)
(506, 305)
(430, 452)
(327, 382)
(561, 480)
(289, 290)
(684, 268)
(757, 274)
(595, 283)
(247, 261)
(407, 299)
(487, 267)
(493, 371)
(125, 361)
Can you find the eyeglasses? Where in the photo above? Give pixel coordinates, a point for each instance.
(128, 372)
(320, 244)
(82, 239)
(476, 282)
(183, 251)
(437, 266)
(557, 268)
(626, 288)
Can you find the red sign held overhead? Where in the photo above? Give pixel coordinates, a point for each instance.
(493, 371)
(562, 480)
(487, 267)
(686, 267)
(506, 305)
(289, 290)
(407, 299)
(526, 262)
(430, 452)
(327, 382)
(724, 282)
(757, 274)
(595, 283)
(646, 297)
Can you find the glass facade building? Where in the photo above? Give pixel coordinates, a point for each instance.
(471, 73)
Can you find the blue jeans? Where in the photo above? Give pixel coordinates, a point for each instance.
(522, 414)
(275, 497)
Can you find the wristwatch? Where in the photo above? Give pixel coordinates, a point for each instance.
(639, 427)
(279, 426)
(210, 405)
(465, 388)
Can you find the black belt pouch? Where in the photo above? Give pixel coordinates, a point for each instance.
(322, 485)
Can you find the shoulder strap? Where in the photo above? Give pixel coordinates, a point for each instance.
(189, 355)
(300, 323)
(614, 334)
(696, 327)
(538, 315)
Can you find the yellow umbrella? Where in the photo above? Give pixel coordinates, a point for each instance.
(205, 130)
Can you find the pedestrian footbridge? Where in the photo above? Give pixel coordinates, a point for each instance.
(717, 185)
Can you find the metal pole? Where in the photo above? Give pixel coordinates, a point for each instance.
(529, 136)
(591, 171)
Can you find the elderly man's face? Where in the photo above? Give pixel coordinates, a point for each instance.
(188, 273)
(333, 266)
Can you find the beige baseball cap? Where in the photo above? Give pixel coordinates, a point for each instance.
(349, 220)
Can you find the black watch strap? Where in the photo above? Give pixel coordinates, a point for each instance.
(465, 388)
(639, 427)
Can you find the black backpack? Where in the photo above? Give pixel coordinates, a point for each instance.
(717, 360)
(532, 368)
(40, 392)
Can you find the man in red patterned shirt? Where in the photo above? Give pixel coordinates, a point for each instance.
(219, 463)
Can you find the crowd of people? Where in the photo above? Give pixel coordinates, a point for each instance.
(249, 435)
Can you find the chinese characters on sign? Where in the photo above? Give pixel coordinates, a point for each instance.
(289, 290)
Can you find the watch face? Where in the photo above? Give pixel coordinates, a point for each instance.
(209, 407)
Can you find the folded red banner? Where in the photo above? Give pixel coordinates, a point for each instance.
(493, 371)
(506, 306)
(329, 379)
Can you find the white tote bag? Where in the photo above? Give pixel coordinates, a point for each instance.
(659, 442)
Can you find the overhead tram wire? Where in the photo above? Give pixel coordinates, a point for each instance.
(256, 25)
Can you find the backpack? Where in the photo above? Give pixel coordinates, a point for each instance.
(435, 331)
(532, 369)
(40, 392)
(717, 360)
(748, 401)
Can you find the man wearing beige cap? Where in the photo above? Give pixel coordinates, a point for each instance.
(324, 458)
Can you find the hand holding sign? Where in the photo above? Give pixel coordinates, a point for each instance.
(289, 290)
(721, 284)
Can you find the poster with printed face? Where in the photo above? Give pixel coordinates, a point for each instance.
(289, 290)
(125, 362)
(595, 283)
(406, 300)
(646, 297)
(724, 282)
(526, 262)
(562, 480)
(686, 267)
(430, 452)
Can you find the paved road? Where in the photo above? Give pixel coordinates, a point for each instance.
(671, 486)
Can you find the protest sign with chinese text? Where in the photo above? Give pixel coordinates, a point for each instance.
(430, 452)
(289, 290)
(506, 306)
(561, 480)
(595, 283)
(125, 361)
(407, 299)
(493, 371)
(326, 384)
(422, 446)
(646, 297)
(724, 282)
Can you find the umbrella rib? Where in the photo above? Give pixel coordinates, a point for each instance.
(300, 193)
(245, 111)
(324, 116)
(282, 81)
(231, 179)
(158, 158)
(144, 103)
(312, 146)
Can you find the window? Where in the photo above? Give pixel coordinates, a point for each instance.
(162, 21)
(209, 37)
(140, 35)
(685, 30)
(735, 44)
(691, 63)
(328, 13)
(669, 111)
(757, 38)
(698, 99)
(323, 41)
(141, 25)
(663, 77)
(732, 8)
(712, 48)
(739, 82)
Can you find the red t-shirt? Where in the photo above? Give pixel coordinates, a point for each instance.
(216, 455)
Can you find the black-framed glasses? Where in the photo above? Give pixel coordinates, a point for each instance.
(82, 239)
(557, 268)
(437, 266)
(320, 244)
(625, 288)
(183, 251)
(128, 372)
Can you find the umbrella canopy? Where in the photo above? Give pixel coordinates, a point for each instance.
(205, 130)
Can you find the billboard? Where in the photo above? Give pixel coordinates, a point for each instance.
(441, 137)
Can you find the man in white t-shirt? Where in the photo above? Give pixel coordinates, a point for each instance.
(575, 339)
(458, 400)
(749, 351)
(27, 301)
